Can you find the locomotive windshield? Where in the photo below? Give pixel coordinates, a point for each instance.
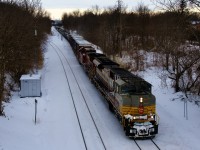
(128, 89)
(141, 87)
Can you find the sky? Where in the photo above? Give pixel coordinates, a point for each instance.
(58, 7)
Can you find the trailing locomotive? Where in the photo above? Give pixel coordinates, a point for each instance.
(128, 96)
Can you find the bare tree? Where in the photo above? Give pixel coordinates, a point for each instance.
(143, 23)
(173, 5)
(184, 63)
(17, 41)
(191, 65)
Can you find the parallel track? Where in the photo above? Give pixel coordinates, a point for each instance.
(56, 48)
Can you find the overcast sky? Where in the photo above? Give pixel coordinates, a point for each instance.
(57, 7)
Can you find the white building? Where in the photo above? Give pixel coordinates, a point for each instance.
(30, 85)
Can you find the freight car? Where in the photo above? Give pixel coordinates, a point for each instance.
(128, 96)
(82, 54)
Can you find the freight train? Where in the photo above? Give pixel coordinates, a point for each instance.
(128, 96)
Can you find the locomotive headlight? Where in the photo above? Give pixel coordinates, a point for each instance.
(152, 117)
(141, 100)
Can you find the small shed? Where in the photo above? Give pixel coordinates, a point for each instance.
(30, 85)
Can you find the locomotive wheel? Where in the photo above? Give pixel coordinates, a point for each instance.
(126, 128)
(110, 107)
(127, 131)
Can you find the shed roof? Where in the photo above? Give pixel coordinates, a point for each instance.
(30, 77)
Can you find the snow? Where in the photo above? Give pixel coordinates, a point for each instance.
(57, 125)
(30, 77)
(175, 131)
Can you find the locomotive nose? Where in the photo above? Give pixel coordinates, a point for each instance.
(143, 131)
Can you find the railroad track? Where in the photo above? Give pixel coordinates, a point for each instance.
(155, 144)
(141, 144)
(60, 53)
(146, 144)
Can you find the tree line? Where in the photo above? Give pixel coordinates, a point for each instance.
(23, 28)
(173, 33)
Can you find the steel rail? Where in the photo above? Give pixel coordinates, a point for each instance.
(84, 141)
(147, 139)
(82, 96)
(137, 144)
(155, 144)
(84, 99)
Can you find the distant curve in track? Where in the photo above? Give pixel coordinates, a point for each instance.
(84, 141)
(55, 47)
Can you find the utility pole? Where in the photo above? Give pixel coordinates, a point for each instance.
(36, 57)
(35, 111)
(185, 109)
(119, 25)
(2, 81)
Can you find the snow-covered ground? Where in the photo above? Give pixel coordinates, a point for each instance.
(57, 126)
(175, 132)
